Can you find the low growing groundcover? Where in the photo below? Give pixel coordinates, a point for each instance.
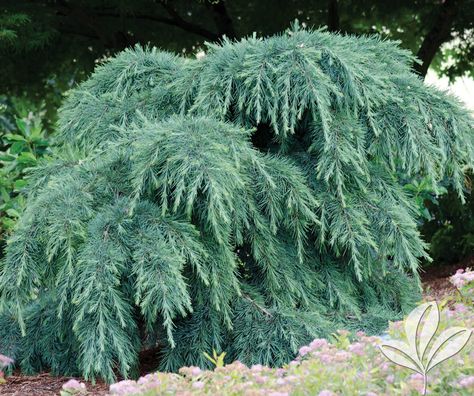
(347, 364)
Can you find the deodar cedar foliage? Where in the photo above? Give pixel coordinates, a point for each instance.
(247, 201)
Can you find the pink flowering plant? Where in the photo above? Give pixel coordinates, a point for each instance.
(5, 361)
(464, 282)
(73, 388)
(345, 364)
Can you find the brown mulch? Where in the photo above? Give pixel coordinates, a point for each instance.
(435, 286)
(43, 385)
(46, 385)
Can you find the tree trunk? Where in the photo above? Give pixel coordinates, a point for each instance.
(333, 16)
(439, 34)
(222, 19)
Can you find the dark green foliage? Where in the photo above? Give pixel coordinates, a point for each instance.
(170, 219)
(450, 231)
(23, 142)
(46, 45)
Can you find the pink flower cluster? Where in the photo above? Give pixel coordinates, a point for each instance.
(329, 353)
(126, 387)
(343, 366)
(462, 277)
(315, 345)
(74, 387)
(467, 382)
(153, 383)
(5, 361)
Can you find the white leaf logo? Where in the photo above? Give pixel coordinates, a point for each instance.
(450, 342)
(420, 328)
(395, 351)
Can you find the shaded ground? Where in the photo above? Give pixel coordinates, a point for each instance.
(436, 280)
(42, 385)
(435, 284)
(46, 385)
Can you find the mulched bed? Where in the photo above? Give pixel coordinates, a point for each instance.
(435, 286)
(436, 283)
(43, 385)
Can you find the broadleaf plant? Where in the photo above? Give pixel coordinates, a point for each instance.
(23, 143)
(247, 201)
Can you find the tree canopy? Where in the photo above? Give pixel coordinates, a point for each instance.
(51, 44)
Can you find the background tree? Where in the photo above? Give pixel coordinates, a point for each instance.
(57, 42)
(246, 201)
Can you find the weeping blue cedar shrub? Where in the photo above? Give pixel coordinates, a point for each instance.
(246, 201)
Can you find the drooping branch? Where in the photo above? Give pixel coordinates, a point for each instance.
(439, 34)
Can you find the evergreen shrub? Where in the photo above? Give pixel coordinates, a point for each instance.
(246, 201)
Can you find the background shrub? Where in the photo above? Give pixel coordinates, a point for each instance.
(24, 141)
(450, 231)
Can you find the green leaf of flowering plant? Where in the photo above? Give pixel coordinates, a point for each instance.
(22, 126)
(15, 137)
(7, 157)
(27, 158)
(17, 147)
